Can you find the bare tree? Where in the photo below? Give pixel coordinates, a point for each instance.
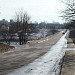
(22, 19)
(69, 13)
(69, 16)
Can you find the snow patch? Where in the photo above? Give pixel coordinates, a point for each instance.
(48, 64)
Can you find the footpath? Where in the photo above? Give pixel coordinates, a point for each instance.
(68, 67)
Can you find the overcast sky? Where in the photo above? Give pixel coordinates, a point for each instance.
(39, 10)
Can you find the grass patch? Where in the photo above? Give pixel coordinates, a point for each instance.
(5, 48)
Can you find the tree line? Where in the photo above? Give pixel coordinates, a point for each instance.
(21, 24)
(69, 16)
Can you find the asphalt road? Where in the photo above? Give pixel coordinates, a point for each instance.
(25, 54)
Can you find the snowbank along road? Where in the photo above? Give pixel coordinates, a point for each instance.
(48, 64)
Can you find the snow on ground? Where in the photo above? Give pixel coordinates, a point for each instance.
(70, 49)
(48, 64)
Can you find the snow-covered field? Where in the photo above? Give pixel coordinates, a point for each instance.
(48, 64)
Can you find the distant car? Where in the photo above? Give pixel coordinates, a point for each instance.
(63, 33)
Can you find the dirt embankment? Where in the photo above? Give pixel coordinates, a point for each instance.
(68, 67)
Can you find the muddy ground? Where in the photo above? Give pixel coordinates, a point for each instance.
(68, 67)
(25, 54)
